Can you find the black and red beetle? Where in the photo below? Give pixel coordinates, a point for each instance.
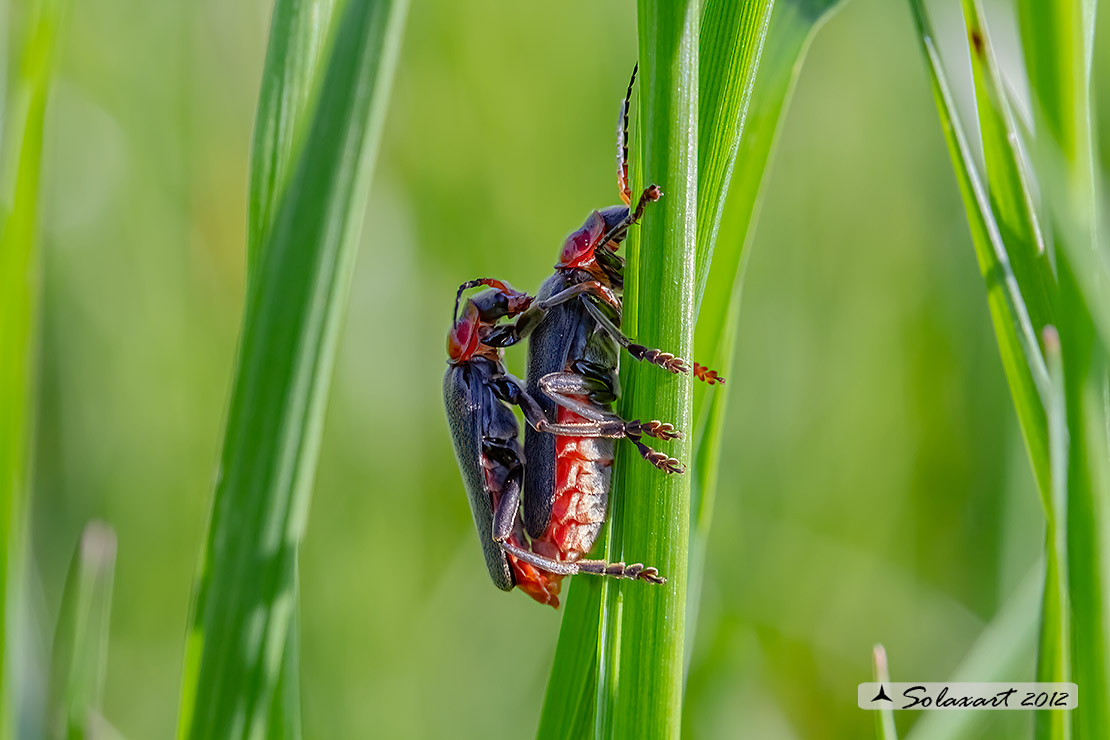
(573, 327)
(477, 391)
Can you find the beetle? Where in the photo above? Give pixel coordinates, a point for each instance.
(478, 394)
(573, 327)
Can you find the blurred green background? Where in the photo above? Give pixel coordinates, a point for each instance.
(874, 487)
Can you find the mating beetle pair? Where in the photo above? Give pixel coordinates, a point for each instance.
(573, 326)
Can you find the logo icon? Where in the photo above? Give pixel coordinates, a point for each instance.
(882, 695)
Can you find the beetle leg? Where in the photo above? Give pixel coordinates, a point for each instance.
(590, 287)
(658, 459)
(563, 389)
(617, 234)
(508, 506)
(508, 334)
(704, 374)
(510, 389)
(665, 360)
(636, 571)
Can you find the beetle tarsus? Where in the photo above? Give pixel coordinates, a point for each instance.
(660, 460)
(634, 572)
(710, 377)
(665, 360)
(657, 429)
(651, 194)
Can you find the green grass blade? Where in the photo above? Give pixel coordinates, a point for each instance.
(24, 117)
(1088, 503)
(788, 32)
(792, 26)
(1007, 181)
(81, 641)
(641, 646)
(297, 31)
(884, 717)
(1055, 38)
(1054, 648)
(1022, 360)
(569, 702)
(731, 44)
(244, 600)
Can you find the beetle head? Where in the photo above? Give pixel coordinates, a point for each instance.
(579, 248)
(479, 315)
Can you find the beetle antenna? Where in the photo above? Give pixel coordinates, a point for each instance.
(491, 282)
(622, 142)
(462, 289)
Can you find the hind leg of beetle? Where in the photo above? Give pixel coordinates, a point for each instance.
(636, 571)
(508, 506)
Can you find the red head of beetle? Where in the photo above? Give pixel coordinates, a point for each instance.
(580, 247)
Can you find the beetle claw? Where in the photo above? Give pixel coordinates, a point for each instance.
(659, 430)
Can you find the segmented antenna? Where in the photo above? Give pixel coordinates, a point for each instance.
(489, 282)
(622, 143)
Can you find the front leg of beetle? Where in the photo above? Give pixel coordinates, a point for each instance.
(508, 334)
(658, 357)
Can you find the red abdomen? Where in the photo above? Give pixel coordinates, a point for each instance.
(583, 466)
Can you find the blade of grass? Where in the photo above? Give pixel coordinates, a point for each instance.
(297, 31)
(884, 717)
(731, 44)
(1022, 360)
(244, 603)
(568, 702)
(24, 118)
(1055, 39)
(1054, 648)
(791, 28)
(643, 629)
(81, 641)
(570, 699)
(1011, 196)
